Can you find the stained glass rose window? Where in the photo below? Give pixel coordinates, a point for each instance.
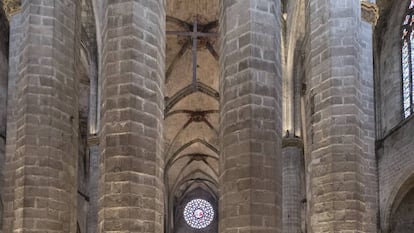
(198, 213)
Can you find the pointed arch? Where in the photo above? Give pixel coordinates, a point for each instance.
(194, 141)
(188, 90)
(189, 177)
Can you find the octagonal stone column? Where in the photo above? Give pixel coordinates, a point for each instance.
(250, 117)
(40, 194)
(342, 191)
(132, 106)
(9, 167)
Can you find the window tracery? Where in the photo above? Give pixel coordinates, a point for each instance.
(407, 59)
(198, 213)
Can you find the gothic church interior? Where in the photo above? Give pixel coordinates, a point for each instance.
(219, 116)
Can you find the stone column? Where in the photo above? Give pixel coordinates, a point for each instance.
(369, 18)
(341, 167)
(45, 109)
(93, 97)
(131, 138)
(293, 194)
(92, 226)
(9, 167)
(250, 117)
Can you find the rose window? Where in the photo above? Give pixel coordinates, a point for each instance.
(198, 213)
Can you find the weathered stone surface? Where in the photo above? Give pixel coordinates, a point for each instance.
(401, 221)
(131, 165)
(93, 189)
(250, 124)
(293, 185)
(341, 167)
(9, 165)
(394, 134)
(388, 66)
(395, 170)
(44, 159)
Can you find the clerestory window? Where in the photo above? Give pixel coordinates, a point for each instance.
(407, 59)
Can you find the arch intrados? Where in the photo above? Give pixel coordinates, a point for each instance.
(191, 177)
(190, 143)
(171, 162)
(194, 172)
(189, 90)
(404, 184)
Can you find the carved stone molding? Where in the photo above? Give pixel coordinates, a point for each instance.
(370, 12)
(292, 142)
(11, 6)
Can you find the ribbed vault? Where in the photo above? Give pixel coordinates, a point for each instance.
(191, 101)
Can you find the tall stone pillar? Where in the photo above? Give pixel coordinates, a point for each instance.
(43, 135)
(341, 167)
(250, 117)
(131, 137)
(92, 218)
(9, 167)
(293, 181)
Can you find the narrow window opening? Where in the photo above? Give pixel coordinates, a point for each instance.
(407, 59)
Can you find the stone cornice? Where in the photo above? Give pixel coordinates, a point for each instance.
(369, 12)
(11, 6)
(292, 142)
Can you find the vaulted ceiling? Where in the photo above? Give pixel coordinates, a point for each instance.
(191, 114)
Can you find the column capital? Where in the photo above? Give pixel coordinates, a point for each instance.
(11, 6)
(369, 12)
(93, 140)
(292, 142)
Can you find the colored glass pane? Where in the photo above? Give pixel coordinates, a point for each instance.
(407, 18)
(198, 213)
(406, 75)
(407, 57)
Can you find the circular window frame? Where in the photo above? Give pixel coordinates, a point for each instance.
(202, 222)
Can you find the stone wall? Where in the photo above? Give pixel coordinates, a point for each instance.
(395, 167)
(388, 68)
(394, 135)
(402, 220)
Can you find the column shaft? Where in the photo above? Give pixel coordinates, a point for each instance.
(45, 181)
(9, 167)
(131, 163)
(293, 193)
(92, 218)
(341, 168)
(250, 117)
